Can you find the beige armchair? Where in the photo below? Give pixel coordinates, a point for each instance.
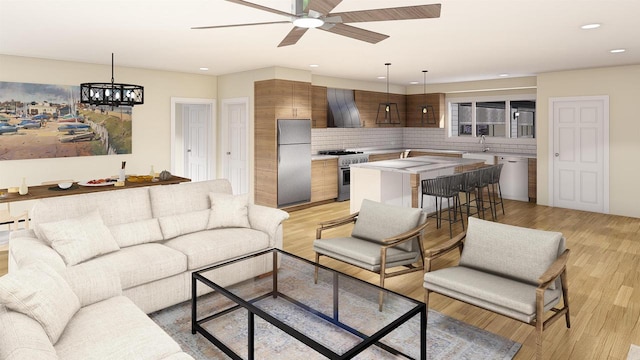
(384, 236)
(513, 271)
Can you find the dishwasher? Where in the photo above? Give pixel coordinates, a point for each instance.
(514, 179)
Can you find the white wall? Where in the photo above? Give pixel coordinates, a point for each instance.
(151, 127)
(622, 85)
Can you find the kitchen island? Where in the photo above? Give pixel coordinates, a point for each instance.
(398, 181)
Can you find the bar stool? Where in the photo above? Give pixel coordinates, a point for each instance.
(496, 199)
(470, 181)
(445, 187)
(483, 183)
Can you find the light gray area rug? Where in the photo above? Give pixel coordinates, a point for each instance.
(447, 338)
(634, 352)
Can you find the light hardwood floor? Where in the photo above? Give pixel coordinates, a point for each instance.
(603, 273)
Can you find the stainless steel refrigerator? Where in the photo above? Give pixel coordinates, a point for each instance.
(294, 161)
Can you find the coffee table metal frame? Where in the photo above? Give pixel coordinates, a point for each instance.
(253, 310)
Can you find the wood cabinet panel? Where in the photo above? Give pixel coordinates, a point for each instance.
(388, 156)
(414, 111)
(368, 103)
(324, 179)
(533, 180)
(319, 107)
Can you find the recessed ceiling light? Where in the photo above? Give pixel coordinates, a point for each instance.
(414, 82)
(204, 68)
(617, 51)
(382, 77)
(590, 26)
(503, 75)
(314, 65)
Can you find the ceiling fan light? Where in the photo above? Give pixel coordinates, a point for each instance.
(308, 22)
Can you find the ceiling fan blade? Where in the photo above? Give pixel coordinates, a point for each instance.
(237, 25)
(323, 6)
(293, 36)
(356, 33)
(259, 7)
(399, 13)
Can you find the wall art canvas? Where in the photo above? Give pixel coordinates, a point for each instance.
(48, 121)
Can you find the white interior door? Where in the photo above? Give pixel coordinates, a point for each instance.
(235, 121)
(580, 153)
(193, 134)
(196, 145)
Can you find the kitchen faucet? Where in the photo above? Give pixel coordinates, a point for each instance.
(483, 141)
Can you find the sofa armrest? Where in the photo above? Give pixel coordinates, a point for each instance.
(554, 271)
(93, 282)
(268, 220)
(431, 254)
(25, 248)
(23, 338)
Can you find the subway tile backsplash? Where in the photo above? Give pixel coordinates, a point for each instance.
(429, 138)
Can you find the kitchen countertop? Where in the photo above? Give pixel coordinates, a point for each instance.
(416, 165)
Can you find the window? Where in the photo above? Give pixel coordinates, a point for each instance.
(494, 118)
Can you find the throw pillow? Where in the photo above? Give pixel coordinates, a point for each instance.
(228, 211)
(79, 239)
(39, 292)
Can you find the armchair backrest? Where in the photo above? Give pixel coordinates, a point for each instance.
(377, 221)
(516, 252)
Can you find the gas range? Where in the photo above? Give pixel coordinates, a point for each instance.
(346, 158)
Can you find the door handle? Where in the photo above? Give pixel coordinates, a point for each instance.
(188, 150)
(228, 152)
(557, 154)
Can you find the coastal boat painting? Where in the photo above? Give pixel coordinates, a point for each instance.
(48, 121)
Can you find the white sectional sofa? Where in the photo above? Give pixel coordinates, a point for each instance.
(130, 252)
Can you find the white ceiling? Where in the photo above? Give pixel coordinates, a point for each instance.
(472, 40)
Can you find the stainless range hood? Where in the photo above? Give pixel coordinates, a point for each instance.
(343, 112)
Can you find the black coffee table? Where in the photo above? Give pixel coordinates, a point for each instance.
(287, 312)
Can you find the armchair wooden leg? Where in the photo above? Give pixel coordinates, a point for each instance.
(315, 275)
(565, 298)
(539, 321)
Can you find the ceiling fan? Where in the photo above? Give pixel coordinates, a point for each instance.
(317, 14)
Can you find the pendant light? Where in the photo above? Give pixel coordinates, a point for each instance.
(386, 110)
(112, 94)
(427, 114)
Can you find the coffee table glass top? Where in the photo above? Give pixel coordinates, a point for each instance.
(337, 315)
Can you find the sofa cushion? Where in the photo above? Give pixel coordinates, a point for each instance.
(228, 211)
(209, 247)
(136, 232)
(377, 221)
(144, 263)
(363, 253)
(41, 293)
(184, 198)
(116, 207)
(511, 251)
(79, 239)
(499, 294)
(181, 224)
(23, 338)
(114, 329)
(93, 281)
